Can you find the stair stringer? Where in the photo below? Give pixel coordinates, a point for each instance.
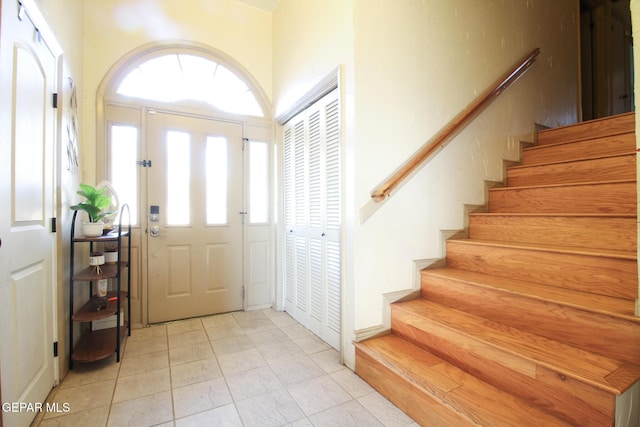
(628, 407)
(445, 234)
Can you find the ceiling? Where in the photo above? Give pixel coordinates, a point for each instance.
(268, 5)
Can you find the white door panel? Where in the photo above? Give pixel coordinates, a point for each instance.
(313, 215)
(27, 280)
(195, 258)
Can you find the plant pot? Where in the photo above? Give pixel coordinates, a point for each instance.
(92, 229)
(96, 260)
(111, 257)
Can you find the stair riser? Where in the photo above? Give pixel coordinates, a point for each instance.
(614, 198)
(616, 338)
(575, 401)
(624, 123)
(597, 170)
(569, 271)
(608, 146)
(585, 232)
(420, 406)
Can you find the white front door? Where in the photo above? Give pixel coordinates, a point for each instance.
(27, 281)
(195, 242)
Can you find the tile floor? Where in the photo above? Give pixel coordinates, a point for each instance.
(258, 368)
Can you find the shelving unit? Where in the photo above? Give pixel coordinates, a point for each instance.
(100, 344)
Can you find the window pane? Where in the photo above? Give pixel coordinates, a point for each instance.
(124, 172)
(258, 182)
(216, 168)
(175, 78)
(178, 178)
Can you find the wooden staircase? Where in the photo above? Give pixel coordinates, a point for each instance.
(531, 322)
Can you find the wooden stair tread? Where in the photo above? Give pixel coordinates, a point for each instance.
(551, 145)
(559, 214)
(620, 144)
(574, 171)
(599, 252)
(565, 162)
(563, 185)
(602, 372)
(592, 197)
(465, 394)
(615, 307)
(584, 230)
(612, 125)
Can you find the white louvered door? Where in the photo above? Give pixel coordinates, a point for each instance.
(312, 195)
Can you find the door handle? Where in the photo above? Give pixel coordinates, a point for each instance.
(154, 231)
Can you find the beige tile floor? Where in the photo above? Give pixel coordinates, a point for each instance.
(258, 368)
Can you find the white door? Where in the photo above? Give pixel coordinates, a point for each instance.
(313, 216)
(27, 281)
(195, 246)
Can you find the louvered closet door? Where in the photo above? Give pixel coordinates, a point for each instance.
(313, 218)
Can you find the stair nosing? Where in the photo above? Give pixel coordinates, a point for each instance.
(557, 214)
(576, 125)
(576, 160)
(522, 352)
(618, 254)
(527, 294)
(566, 143)
(564, 185)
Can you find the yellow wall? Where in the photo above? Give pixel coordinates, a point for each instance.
(115, 28)
(410, 67)
(311, 38)
(417, 65)
(65, 19)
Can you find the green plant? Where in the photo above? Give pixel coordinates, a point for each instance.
(96, 201)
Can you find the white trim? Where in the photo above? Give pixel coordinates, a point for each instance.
(42, 27)
(106, 90)
(323, 87)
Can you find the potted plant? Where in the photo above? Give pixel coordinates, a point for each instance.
(111, 253)
(96, 201)
(96, 260)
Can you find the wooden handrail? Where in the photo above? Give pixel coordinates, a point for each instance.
(454, 126)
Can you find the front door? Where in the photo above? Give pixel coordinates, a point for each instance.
(27, 280)
(195, 213)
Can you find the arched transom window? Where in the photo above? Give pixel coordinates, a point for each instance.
(180, 77)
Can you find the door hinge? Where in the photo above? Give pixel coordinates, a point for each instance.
(54, 225)
(144, 163)
(244, 141)
(54, 101)
(55, 349)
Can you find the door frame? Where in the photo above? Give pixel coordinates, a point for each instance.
(253, 128)
(332, 81)
(326, 85)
